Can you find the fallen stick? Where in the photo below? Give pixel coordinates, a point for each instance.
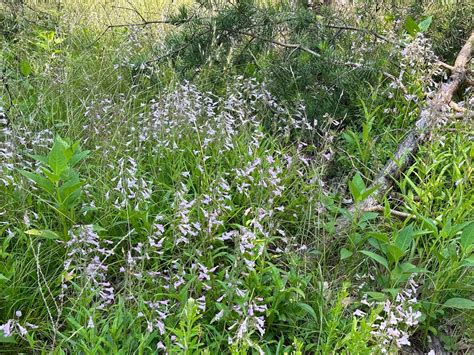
(434, 113)
(396, 213)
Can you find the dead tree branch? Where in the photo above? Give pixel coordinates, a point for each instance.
(430, 116)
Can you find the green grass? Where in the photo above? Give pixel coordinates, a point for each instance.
(139, 211)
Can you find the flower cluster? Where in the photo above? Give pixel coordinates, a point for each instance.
(132, 189)
(7, 151)
(16, 143)
(86, 260)
(13, 326)
(251, 320)
(418, 68)
(399, 316)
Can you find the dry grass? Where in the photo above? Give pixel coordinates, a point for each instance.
(101, 13)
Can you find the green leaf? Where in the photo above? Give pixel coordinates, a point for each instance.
(380, 259)
(425, 24)
(308, 309)
(4, 339)
(368, 216)
(459, 303)
(345, 253)
(51, 176)
(411, 26)
(57, 158)
(49, 35)
(469, 261)
(381, 237)
(467, 236)
(410, 268)
(3, 277)
(395, 252)
(70, 174)
(377, 296)
(367, 192)
(25, 68)
(298, 291)
(41, 181)
(40, 158)
(43, 233)
(356, 187)
(72, 200)
(404, 238)
(70, 187)
(358, 182)
(78, 156)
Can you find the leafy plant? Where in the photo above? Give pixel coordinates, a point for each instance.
(189, 331)
(59, 180)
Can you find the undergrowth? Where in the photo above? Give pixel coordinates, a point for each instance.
(177, 187)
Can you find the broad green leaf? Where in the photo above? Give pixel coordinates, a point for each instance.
(70, 175)
(9, 340)
(404, 238)
(469, 261)
(345, 253)
(40, 158)
(51, 176)
(41, 181)
(411, 26)
(349, 137)
(25, 68)
(72, 200)
(78, 156)
(410, 268)
(460, 303)
(377, 296)
(381, 237)
(367, 192)
(358, 182)
(298, 291)
(357, 187)
(57, 158)
(425, 24)
(3, 277)
(308, 309)
(43, 233)
(395, 252)
(69, 187)
(354, 192)
(380, 259)
(368, 216)
(393, 291)
(467, 236)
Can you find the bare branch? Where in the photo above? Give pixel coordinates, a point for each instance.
(396, 213)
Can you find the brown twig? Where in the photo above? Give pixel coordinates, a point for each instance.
(444, 65)
(396, 213)
(456, 107)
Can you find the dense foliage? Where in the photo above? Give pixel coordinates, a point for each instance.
(172, 179)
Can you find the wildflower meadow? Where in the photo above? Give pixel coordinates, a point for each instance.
(236, 177)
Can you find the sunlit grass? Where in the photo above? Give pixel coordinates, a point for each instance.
(101, 13)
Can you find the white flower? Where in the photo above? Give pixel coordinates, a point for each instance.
(90, 323)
